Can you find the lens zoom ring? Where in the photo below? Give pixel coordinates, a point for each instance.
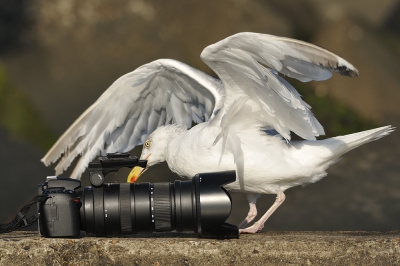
(162, 207)
(125, 207)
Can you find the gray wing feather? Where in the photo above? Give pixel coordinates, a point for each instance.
(247, 64)
(162, 92)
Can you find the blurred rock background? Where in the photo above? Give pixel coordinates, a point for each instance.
(57, 57)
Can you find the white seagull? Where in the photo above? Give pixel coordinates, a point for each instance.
(244, 119)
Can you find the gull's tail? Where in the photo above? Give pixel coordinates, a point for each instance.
(321, 154)
(355, 140)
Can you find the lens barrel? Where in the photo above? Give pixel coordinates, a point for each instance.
(200, 205)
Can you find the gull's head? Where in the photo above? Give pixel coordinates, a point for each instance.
(155, 148)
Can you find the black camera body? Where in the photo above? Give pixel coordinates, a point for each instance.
(200, 205)
(59, 214)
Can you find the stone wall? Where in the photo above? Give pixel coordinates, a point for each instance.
(267, 248)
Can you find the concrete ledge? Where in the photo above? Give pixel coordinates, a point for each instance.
(268, 248)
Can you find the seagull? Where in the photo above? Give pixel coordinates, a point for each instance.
(243, 119)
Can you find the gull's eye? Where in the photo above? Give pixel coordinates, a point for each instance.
(147, 144)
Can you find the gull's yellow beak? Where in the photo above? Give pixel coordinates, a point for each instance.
(135, 173)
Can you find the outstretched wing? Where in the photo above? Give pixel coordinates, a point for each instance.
(247, 64)
(161, 92)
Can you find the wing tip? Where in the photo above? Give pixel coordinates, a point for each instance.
(45, 161)
(52, 155)
(48, 161)
(345, 70)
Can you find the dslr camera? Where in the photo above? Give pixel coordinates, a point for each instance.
(200, 205)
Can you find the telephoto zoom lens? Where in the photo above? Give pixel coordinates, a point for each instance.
(200, 205)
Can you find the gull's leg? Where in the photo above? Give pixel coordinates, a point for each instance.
(257, 226)
(251, 199)
(250, 215)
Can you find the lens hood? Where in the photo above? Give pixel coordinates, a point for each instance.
(214, 204)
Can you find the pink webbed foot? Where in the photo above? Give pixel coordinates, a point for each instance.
(259, 225)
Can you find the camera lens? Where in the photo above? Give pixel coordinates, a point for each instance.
(200, 205)
(143, 207)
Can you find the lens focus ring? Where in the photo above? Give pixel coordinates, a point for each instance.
(162, 207)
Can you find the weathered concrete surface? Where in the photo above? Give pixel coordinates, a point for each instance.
(268, 248)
